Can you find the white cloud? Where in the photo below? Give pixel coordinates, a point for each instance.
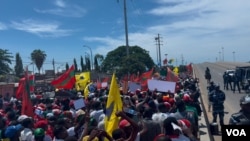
(3, 26)
(60, 3)
(63, 9)
(198, 38)
(41, 29)
(73, 11)
(181, 7)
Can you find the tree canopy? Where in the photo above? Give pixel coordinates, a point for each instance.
(117, 60)
(38, 57)
(5, 61)
(19, 65)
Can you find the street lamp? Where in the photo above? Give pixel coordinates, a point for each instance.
(233, 55)
(91, 57)
(219, 56)
(222, 55)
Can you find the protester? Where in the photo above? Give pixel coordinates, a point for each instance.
(141, 117)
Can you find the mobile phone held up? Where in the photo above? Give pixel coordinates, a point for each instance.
(130, 111)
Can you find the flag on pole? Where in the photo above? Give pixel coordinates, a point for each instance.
(86, 90)
(114, 104)
(66, 80)
(171, 76)
(81, 80)
(189, 68)
(24, 90)
(22, 83)
(176, 70)
(144, 79)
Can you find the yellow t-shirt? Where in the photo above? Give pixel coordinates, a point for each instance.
(87, 137)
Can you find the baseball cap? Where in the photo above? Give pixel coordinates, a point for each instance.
(186, 98)
(245, 99)
(39, 132)
(124, 123)
(41, 124)
(12, 130)
(184, 123)
(167, 105)
(21, 118)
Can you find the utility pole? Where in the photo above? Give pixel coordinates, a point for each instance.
(126, 26)
(53, 63)
(176, 62)
(222, 49)
(219, 56)
(233, 56)
(182, 60)
(158, 46)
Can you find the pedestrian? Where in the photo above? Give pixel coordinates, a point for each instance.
(210, 88)
(208, 75)
(243, 116)
(236, 80)
(217, 97)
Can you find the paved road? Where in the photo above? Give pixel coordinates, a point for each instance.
(232, 99)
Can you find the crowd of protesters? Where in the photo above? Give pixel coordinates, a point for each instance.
(146, 116)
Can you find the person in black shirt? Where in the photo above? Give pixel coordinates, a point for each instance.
(217, 97)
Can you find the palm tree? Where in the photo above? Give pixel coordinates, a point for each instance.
(38, 57)
(5, 61)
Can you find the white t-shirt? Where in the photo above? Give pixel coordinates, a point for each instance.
(71, 131)
(26, 135)
(96, 114)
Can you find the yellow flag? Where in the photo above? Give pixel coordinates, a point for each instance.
(114, 104)
(86, 91)
(176, 70)
(81, 80)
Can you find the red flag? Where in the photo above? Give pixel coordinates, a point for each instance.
(124, 78)
(144, 79)
(27, 106)
(21, 85)
(106, 79)
(20, 89)
(189, 68)
(98, 84)
(132, 77)
(137, 77)
(66, 80)
(165, 61)
(171, 76)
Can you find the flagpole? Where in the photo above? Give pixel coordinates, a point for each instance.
(126, 31)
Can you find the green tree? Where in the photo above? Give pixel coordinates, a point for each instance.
(75, 64)
(38, 57)
(19, 66)
(98, 59)
(87, 62)
(137, 61)
(5, 61)
(67, 66)
(82, 64)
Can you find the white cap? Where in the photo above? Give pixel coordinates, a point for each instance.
(21, 118)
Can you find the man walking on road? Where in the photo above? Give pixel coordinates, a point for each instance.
(236, 80)
(210, 88)
(217, 97)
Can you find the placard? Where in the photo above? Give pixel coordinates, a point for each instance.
(161, 86)
(133, 86)
(79, 103)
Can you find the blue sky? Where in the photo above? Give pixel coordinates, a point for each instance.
(193, 30)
